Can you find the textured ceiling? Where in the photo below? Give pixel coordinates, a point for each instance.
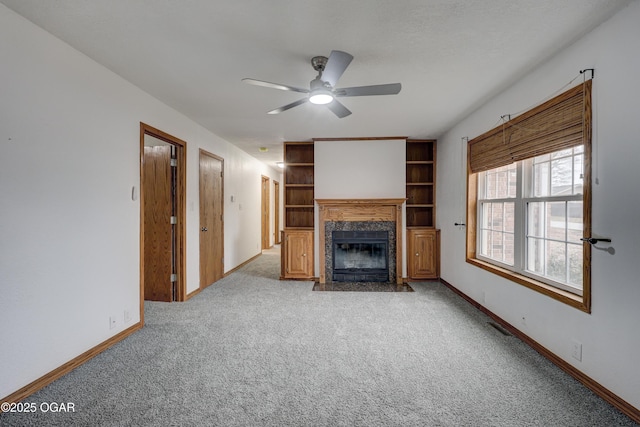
(449, 55)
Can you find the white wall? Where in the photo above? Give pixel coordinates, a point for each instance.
(69, 235)
(359, 169)
(610, 338)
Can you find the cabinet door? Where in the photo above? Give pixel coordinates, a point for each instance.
(424, 254)
(299, 254)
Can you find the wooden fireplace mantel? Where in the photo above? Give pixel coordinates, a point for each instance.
(360, 210)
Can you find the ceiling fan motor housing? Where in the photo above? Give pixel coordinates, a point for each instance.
(319, 62)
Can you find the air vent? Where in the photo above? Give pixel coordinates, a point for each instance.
(500, 329)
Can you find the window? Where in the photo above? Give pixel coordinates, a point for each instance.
(543, 197)
(529, 198)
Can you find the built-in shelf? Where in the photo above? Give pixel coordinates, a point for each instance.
(423, 259)
(421, 182)
(298, 185)
(297, 236)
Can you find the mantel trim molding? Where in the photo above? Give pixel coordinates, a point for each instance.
(360, 210)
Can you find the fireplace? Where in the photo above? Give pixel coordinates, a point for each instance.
(378, 222)
(360, 256)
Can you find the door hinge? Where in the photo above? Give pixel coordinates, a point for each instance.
(173, 220)
(174, 163)
(174, 278)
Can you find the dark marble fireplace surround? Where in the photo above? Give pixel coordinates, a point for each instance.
(388, 226)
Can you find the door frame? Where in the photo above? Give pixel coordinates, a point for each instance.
(265, 207)
(276, 212)
(180, 237)
(221, 160)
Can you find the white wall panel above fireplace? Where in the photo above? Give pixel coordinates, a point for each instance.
(360, 169)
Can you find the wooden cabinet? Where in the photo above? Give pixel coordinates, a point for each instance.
(297, 236)
(423, 240)
(297, 254)
(423, 256)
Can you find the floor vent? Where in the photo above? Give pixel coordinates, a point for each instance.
(500, 329)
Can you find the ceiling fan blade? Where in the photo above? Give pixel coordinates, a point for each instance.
(336, 64)
(275, 85)
(338, 109)
(388, 89)
(288, 106)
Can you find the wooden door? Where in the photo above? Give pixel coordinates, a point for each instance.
(162, 216)
(265, 213)
(424, 254)
(276, 212)
(158, 233)
(299, 254)
(211, 219)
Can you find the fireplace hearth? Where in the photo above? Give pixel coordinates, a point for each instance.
(360, 256)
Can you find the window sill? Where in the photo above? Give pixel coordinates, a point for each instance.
(565, 297)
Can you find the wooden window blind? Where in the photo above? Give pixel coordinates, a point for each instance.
(562, 122)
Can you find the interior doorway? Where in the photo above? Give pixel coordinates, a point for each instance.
(266, 223)
(162, 216)
(211, 218)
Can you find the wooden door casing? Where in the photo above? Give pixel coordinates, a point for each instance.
(211, 219)
(151, 137)
(276, 212)
(265, 213)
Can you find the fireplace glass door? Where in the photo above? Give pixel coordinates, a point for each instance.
(360, 256)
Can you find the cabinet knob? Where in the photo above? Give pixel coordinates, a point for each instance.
(417, 254)
(304, 254)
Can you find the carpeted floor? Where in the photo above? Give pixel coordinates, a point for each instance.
(254, 351)
(362, 287)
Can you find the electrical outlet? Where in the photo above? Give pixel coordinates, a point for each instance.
(576, 350)
(112, 322)
(127, 316)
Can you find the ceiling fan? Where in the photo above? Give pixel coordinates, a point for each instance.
(322, 89)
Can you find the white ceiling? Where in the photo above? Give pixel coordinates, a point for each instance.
(449, 55)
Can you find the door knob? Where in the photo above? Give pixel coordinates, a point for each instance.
(204, 229)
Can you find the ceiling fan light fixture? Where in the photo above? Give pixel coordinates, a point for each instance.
(320, 97)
